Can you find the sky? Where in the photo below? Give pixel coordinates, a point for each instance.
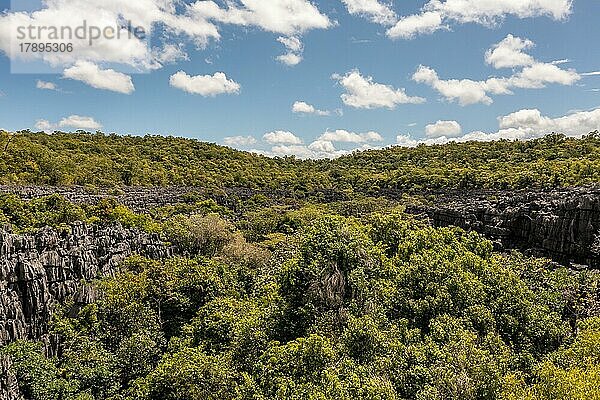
(306, 78)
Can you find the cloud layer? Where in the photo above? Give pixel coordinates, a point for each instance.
(72, 121)
(440, 14)
(521, 125)
(509, 53)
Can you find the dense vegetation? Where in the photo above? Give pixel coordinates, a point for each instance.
(349, 300)
(111, 160)
(289, 297)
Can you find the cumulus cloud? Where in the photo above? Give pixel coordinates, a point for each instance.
(318, 149)
(239, 140)
(443, 128)
(538, 75)
(79, 122)
(374, 10)
(363, 92)
(522, 125)
(300, 107)
(465, 91)
(180, 22)
(284, 143)
(43, 85)
(344, 136)
(44, 125)
(123, 48)
(508, 53)
(436, 13)
(322, 146)
(408, 141)
(286, 17)
(413, 25)
(107, 79)
(282, 137)
(294, 47)
(290, 59)
(72, 121)
(204, 85)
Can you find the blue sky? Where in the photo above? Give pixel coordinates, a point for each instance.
(263, 89)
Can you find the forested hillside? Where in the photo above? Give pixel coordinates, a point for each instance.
(109, 160)
(336, 301)
(291, 296)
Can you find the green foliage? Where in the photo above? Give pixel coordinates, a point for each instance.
(38, 376)
(197, 234)
(370, 306)
(571, 373)
(110, 160)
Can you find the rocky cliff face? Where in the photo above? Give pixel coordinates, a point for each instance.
(42, 270)
(561, 224)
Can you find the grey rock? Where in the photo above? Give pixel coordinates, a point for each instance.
(561, 224)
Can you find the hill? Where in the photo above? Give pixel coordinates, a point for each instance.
(110, 160)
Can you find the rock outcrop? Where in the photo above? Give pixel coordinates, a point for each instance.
(562, 224)
(41, 270)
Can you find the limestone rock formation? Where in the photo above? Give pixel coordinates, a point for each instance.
(40, 270)
(562, 224)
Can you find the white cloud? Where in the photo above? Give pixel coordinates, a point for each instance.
(408, 141)
(107, 79)
(170, 54)
(282, 137)
(362, 92)
(179, 21)
(299, 151)
(595, 73)
(443, 128)
(464, 91)
(72, 121)
(376, 11)
(341, 135)
(123, 48)
(523, 125)
(409, 27)
(44, 125)
(290, 59)
(318, 149)
(285, 143)
(485, 12)
(300, 107)
(295, 49)
(79, 122)
(538, 75)
(322, 146)
(46, 85)
(509, 53)
(291, 43)
(239, 140)
(534, 124)
(286, 17)
(204, 85)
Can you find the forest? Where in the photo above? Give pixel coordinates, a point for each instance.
(296, 297)
(102, 160)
